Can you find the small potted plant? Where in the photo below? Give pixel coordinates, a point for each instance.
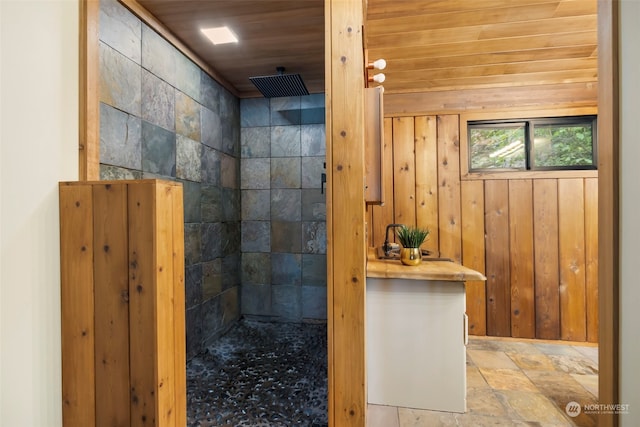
(411, 238)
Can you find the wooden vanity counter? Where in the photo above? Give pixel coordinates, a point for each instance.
(427, 270)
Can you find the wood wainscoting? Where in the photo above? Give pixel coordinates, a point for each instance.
(534, 235)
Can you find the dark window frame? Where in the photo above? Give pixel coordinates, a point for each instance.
(530, 124)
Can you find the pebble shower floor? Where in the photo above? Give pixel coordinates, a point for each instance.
(261, 374)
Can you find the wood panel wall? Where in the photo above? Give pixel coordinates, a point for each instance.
(534, 237)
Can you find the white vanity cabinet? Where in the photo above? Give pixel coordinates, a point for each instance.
(416, 332)
(416, 340)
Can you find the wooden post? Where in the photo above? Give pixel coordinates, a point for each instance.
(122, 283)
(346, 239)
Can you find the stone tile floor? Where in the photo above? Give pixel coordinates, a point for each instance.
(275, 374)
(513, 382)
(261, 374)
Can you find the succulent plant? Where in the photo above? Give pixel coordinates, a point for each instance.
(412, 237)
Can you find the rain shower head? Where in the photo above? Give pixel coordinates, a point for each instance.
(280, 84)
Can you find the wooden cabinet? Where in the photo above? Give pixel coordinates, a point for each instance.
(123, 307)
(374, 133)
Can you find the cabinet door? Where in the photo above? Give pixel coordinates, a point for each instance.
(415, 344)
(374, 132)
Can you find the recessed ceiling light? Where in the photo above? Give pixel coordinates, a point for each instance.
(220, 35)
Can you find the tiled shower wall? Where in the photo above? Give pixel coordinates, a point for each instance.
(283, 208)
(162, 117)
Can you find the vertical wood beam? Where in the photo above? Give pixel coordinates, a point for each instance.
(89, 106)
(608, 209)
(346, 240)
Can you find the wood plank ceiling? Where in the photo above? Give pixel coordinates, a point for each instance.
(429, 45)
(272, 33)
(471, 44)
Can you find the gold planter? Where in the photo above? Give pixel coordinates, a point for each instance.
(410, 256)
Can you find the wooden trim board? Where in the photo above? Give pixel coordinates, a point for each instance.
(89, 105)
(608, 211)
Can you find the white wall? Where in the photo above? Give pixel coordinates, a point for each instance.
(629, 208)
(39, 138)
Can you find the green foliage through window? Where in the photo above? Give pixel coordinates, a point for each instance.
(537, 144)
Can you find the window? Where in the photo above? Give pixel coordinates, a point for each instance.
(532, 144)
